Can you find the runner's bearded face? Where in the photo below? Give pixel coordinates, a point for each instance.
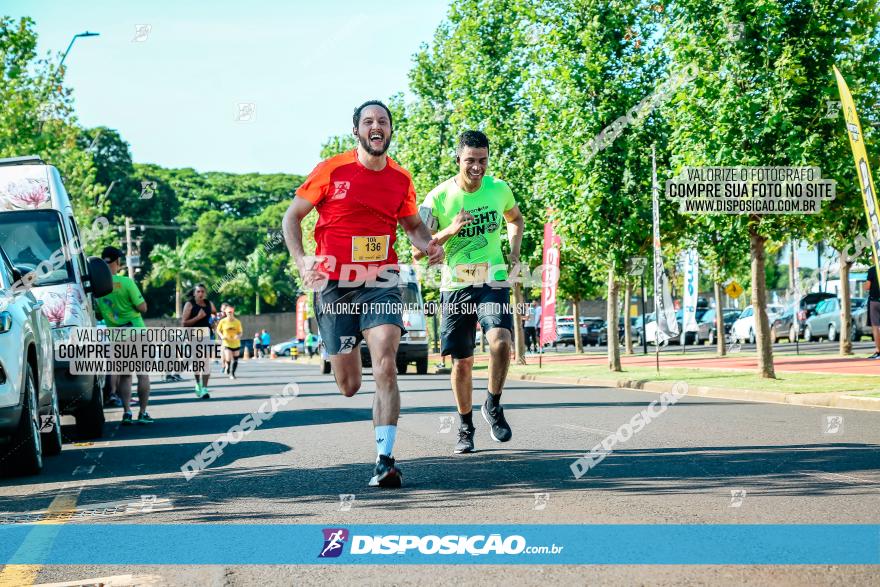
(472, 165)
(374, 131)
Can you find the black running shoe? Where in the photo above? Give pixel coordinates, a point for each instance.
(386, 473)
(875, 356)
(465, 439)
(499, 428)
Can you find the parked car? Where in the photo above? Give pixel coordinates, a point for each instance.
(282, 349)
(825, 322)
(783, 326)
(565, 329)
(689, 337)
(634, 321)
(743, 329)
(706, 328)
(39, 233)
(597, 331)
(30, 417)
(413, 347)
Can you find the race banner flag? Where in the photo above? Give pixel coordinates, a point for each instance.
(667, 326)
(860, 155)
(301, 317)
(549, 277)
(691, 289)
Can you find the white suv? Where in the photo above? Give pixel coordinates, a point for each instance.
(40, 235)
(30, 419)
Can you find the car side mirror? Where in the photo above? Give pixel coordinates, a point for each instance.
(100, 278)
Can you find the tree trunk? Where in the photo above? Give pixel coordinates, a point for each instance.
(578, 343)
(627, 323)
(518, 332)
(845, 306)
(759, 303)
(257, 303)
(613, 342)
(721, 337)
(177, 308)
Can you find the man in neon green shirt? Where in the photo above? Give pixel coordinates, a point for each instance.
(121, 308)
(465, 214)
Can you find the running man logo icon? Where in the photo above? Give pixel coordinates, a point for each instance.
(340, 189)
(832, 424)
(334, 540)
(346, 344)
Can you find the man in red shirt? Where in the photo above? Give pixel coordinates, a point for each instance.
(361, 196)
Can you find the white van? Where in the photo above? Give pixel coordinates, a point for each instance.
(40, 235)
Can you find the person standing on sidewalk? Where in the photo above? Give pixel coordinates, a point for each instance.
(197, 312)
(266, 343)
(873, 288)
(530, 328)
(229, 330)
(466, 213)
(123, 308)
(361, 196)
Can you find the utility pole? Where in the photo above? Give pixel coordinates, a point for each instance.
(128, 253)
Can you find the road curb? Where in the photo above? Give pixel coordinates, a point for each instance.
(816, 400)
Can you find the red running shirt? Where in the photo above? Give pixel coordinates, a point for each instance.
(358, 210)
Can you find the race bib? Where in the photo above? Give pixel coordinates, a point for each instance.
(472, 273)
(369, 248)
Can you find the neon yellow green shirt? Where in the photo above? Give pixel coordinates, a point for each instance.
(477, 246)
(118, 308)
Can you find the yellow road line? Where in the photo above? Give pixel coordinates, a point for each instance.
(22, 575)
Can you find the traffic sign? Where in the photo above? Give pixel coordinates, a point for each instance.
(637, 266)
(733, 289)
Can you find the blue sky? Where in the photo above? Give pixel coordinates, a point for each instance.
(175, 95)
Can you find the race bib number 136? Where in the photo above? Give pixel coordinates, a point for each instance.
(369, 248)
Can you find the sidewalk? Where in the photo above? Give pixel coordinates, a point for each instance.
(817, 380)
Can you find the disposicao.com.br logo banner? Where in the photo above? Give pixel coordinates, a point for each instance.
(473, 544)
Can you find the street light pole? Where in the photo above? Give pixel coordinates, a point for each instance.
(72, 41)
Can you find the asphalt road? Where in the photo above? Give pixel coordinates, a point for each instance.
(703, 461)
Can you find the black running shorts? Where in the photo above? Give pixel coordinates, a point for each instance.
(461, 309)
(343, 313)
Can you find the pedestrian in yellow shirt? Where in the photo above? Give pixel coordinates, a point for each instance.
(229, 329)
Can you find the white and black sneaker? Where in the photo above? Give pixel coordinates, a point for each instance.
(386, 473)
(465, 439)
(498, 426)
(875, 356)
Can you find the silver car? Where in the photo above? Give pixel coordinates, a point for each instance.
(30, 418)
(825, 323)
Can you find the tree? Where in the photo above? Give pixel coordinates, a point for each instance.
(185, 263)
(257, 278)
(764, 71)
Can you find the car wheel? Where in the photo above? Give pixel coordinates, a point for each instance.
(751, 336)
(26, 449)
(808, 334)
(90, 417)
(52, 439)
(854, 335)
(401, 367)
(325, 367)
(422, 366)
(792, 335)
(832, 333)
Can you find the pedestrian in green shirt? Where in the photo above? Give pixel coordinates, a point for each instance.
(123, 308)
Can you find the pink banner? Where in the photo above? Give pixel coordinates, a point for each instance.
(549, 278)
(301, 317)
